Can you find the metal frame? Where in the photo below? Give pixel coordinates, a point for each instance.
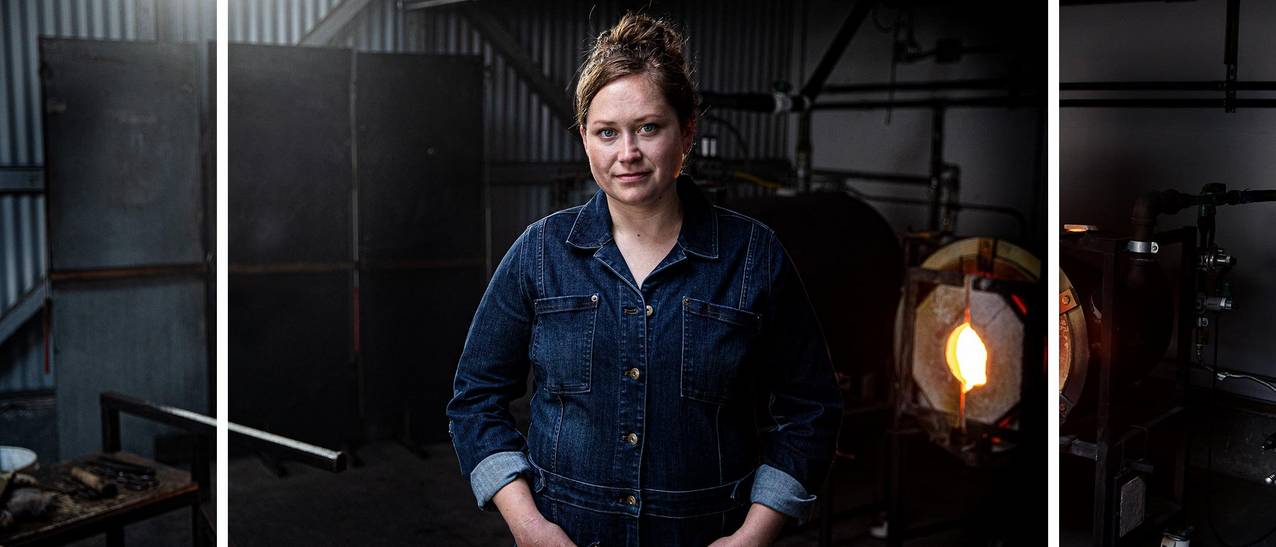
(1031, 388)
(1229, 85)
(1107, 447)
(22, 180)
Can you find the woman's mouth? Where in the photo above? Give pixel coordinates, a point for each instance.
(632, 177)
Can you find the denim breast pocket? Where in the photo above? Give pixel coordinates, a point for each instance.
(563, 342)
(715, 341)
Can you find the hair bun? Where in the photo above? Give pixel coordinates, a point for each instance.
(640, 44)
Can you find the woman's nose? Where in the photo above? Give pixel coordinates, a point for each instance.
(629, 151)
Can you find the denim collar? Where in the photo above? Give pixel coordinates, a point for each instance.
(699, 235)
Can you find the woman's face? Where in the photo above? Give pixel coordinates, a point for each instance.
(634, 141)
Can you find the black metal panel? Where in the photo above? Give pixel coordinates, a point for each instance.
(291, 368)
(849, 260)
(413, 329)
(141, 337)
(289, 154)
(122, 140)
(420, 146)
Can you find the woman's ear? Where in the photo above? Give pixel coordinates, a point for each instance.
(688, 136)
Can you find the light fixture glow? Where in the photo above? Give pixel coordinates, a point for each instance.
(967, 357)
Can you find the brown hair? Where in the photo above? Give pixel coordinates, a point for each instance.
(639, 44)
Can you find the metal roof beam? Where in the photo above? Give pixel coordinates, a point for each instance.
(28, 306)
(333, 23)
(507, 45)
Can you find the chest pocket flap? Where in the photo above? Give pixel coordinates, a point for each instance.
(563, 342)
(715, 341)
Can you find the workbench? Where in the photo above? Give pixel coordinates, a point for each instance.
(71, 518)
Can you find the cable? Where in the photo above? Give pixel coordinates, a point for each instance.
(1209, 452)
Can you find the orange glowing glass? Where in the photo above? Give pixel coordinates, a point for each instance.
(967, 357)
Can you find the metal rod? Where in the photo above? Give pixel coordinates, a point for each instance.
(1177, 85)
(897, 178)
(1102, 526)
(850, 26)
(114, 403)
(1164, 103)
(956, 102)
(936, 166)
(333, 23)
(517, 57)
(937, 85)
(1229, 53)
(26, 307)
(174, 270)
(21, 180)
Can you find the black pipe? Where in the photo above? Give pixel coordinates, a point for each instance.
(753, 102)
(936, 165)
(940, 85)
(1210, 85)
(849, 27)
(897, 178)
(995, 102)
(1229, 53)
(1165, 103)
(1148, 206)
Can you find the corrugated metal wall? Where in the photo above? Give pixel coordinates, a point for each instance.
(736, 46)
(22, 236)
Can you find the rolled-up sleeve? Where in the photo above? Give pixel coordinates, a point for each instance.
(804, 407)
(492, 372)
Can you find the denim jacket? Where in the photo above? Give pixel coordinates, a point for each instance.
(708, 383)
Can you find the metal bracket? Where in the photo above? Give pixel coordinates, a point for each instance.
(1142, 247)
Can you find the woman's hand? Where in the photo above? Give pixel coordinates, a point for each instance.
(761, 527)
(540, 533)
(529, 527)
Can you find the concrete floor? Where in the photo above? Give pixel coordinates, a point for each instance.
(1241, 511)
(398, 498)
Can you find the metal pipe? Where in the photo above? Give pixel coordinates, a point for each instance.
(938, 85)
(896, 178)
(995, 102)
(1229, 53)
(1165, 103)
(936, 166)
(21, 180)
(1178, 85)
(850, 26)
(113, 404)
(175, 270)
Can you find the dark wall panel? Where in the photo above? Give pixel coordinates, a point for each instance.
(126, 190)
(144, 338)
(289, 154)
(414, 326)
(420, 157)
(290, 370)
(122, 125)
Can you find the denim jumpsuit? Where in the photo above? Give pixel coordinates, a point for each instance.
(660, 412)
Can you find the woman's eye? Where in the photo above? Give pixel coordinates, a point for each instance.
(647, 128)
(607, 133)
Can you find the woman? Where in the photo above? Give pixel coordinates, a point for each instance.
(684, 395)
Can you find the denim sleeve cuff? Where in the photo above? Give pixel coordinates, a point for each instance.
(493, 473)
(780, 491)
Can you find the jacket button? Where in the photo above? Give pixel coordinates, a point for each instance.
(631, 500)
(650, 310)
(631, 438)
(633, 373)
(593, 298)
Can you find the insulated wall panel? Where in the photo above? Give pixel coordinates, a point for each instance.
(122, 138)
(291, 371)
(143, 338)
(420, 154)
(413, 329)
(290, 154)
